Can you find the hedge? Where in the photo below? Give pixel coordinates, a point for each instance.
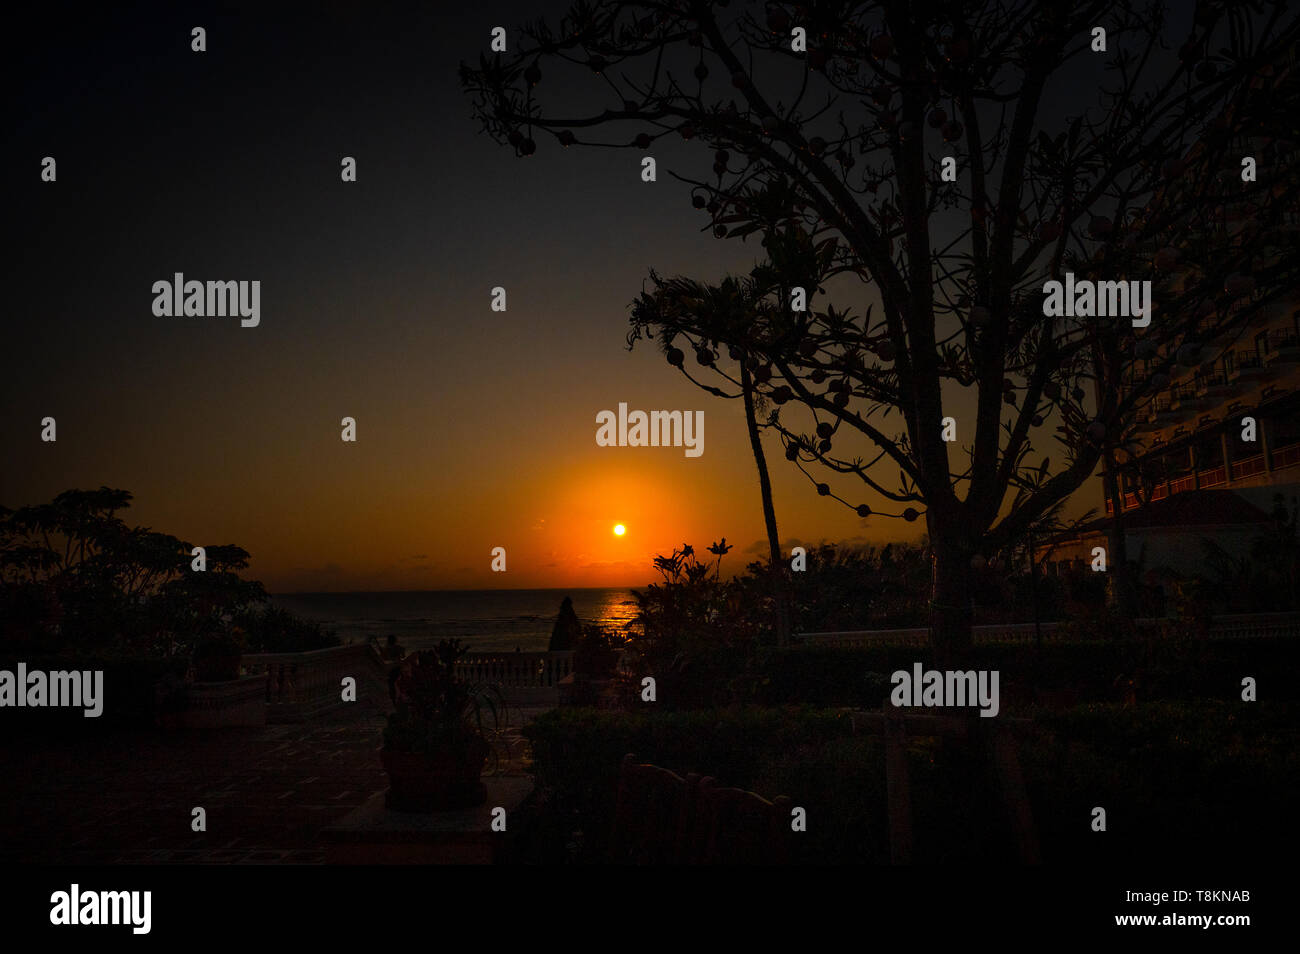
(1178, 780)
(1153, 668)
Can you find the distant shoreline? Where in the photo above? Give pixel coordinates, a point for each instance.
(494, 589)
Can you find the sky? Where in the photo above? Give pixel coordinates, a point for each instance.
(475, 429)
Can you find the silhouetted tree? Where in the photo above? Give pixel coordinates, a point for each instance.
(832, 154)
(730, 303)
(106, 583)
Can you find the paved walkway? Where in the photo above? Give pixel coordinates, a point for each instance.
(127, 797)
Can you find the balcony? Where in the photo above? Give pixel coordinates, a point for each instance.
(1214, 386)
(1213, 476)
(1158, 414)
(1187, 403)
(1247, 367)
(1248, 467)
(1283, 349)
(1288, 456)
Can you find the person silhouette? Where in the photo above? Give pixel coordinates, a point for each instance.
(567, 630)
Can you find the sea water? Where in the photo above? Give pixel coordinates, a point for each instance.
(484, 620)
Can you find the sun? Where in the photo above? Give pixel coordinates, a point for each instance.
(619, 529)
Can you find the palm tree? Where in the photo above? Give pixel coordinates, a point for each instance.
(727, 306)
(779, 591)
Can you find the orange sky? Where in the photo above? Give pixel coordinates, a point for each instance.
(476, 429)
(410, 506)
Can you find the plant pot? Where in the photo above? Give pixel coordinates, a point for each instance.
(216, 668)
(436, 781)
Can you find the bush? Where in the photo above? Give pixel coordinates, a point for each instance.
(841, 784)
(812, 755)
(274, 630)
(594, 654)
(220, 645)
(1183, 782)
(577, 752)
(820, 675)
(1163, 665)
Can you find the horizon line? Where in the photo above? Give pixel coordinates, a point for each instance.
(485, 589)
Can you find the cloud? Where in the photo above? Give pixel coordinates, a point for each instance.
(613, 565)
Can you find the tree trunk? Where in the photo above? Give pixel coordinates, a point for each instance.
(950, 595)
(769, 512)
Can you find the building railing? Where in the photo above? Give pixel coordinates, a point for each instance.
(1286, 457)
(219, 705)
(523, 679)
(1248, 467)
(301, 685)
(1210, 381)
(1281, 458)
(516, 670)
(1228, 626)
(1213, 476)
(1280, 339)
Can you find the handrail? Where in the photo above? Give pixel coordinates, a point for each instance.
(516, 670)
(1226, 626)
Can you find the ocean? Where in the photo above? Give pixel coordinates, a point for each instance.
(484, 620)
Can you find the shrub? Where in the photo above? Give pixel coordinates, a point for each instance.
(594, 653)
(841, 784)
(271, 629)
(817, 675)
(1184, 782)
(577, 752)
(1167, 664)
(1180, 781)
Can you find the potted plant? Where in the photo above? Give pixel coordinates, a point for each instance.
(217, 655)
(434, 749)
